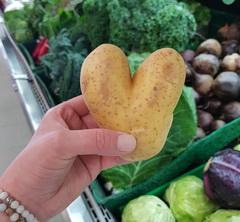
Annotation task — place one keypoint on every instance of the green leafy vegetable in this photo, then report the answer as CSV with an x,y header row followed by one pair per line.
x,y
43,17
17,23
181,134
188,201
202,13
224,216
148,209
138,25
63,63
135,60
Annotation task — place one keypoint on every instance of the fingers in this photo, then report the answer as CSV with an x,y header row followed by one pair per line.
x,y
108,162
72,115
89,122
103,142
78,105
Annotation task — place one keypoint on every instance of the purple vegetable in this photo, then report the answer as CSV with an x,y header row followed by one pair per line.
x,y
222,178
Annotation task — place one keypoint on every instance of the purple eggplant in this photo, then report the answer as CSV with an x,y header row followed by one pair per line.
x,y
222,178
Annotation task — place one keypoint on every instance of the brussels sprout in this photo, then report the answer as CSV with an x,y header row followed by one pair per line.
x,y
188,201
224,216
148,209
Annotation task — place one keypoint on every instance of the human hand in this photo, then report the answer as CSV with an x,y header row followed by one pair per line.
x,y
64,156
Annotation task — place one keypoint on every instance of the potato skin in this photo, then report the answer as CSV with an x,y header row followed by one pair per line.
x,y
142,106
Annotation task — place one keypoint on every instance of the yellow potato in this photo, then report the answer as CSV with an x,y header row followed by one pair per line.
x,y
142,106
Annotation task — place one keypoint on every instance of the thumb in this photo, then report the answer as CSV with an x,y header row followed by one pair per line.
x,y
97,142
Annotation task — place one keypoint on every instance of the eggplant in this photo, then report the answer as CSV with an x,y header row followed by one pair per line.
x,y
222,178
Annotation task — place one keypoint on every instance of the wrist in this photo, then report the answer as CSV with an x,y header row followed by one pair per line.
x,y
15,196
4,218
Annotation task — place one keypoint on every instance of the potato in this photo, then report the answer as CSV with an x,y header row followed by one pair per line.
x,y
142,106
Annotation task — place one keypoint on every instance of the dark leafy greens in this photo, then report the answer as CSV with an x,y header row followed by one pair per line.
x,y
17,23
63,63
181,134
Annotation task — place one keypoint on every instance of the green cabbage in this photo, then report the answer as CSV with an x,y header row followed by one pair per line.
x,y
188,201
224,216
148,209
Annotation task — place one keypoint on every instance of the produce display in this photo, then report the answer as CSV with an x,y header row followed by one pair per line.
x,y
213,72
191,199
124,92
143,110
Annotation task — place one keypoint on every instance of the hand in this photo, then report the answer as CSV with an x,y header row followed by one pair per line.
x,y
64,156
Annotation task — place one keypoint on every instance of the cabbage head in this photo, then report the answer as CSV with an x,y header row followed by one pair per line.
x,y
224,216
147,208
188,201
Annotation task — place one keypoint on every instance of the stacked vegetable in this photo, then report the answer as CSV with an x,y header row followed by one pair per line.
x,y
192,200
213,71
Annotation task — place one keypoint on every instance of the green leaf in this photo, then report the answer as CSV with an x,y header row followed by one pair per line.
x,y
228,2
181,134
135,60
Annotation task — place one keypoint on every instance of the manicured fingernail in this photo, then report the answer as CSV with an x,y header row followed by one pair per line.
x,y
126,143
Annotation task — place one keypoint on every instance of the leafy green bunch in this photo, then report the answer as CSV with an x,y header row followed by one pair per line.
x,y
67,52
138,25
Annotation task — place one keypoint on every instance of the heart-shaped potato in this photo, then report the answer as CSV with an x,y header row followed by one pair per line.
x,y
143,105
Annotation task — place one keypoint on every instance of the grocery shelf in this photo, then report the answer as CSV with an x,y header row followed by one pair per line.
x,y
84,208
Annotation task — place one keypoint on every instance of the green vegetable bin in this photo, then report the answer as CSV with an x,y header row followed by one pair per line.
x,y
195,155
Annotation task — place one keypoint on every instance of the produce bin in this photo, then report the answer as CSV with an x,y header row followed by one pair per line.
x,y
196,154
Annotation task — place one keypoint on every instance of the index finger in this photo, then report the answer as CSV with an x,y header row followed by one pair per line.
x,y
78,105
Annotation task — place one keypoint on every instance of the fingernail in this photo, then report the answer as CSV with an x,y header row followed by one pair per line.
x,y
126,143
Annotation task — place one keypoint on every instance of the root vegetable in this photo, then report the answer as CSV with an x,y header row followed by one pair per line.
x,y
227,86
196,96
143,105
231,111
204,120
231,62
229,47
229,32
188,55
217,124
200,133
203,83
206,64
213,106
189,75
210,46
